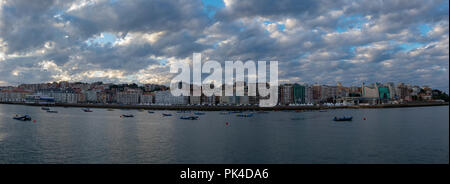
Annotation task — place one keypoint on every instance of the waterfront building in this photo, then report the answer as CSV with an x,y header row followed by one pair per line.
x,y
129,96
285,94
370,91
147,98
299,93
166,98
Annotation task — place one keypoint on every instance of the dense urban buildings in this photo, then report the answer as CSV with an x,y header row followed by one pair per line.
x,y
151,94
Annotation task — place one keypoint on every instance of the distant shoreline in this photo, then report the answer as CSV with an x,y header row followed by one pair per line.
x,y
220,108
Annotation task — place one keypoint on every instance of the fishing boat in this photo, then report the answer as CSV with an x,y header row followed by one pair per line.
x,y
45,108
87,110
189,117
165,114
151,112
127,115
22,118
343,118
244,115
52,111
199,113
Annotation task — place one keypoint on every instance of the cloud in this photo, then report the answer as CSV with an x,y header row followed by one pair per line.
x,y
314,41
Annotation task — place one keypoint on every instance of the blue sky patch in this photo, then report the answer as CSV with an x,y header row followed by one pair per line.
x,y
346,23
103,39
211,6
410,46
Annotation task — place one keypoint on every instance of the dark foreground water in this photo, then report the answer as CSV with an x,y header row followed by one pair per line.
x,y
401,135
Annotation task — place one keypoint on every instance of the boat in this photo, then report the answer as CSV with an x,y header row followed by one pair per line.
x,y
244,115
110,110
151,112
45,108
127,115
141,110
262,112
343,118
189,117
235,112
323,111
164,114
52,111
22,118
199,113
87,110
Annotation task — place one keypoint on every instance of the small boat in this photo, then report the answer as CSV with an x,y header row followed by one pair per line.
x,y
87,110
141,110
110,110
244,115
52,111
151,112
199,113
164,114
343,118
323,111
189,117
45,108
22,118
127,115
235,112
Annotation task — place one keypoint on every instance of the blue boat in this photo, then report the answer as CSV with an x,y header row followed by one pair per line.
x,y
189,117
343,118
22,118
199,113
164,114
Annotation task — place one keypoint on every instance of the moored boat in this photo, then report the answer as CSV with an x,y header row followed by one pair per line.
x,y
52,111
87,110
343,118
189,117
151,112
45,108
245,115
127,115
22,118
166,114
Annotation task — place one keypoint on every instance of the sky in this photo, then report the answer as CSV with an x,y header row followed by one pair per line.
x,y
315,41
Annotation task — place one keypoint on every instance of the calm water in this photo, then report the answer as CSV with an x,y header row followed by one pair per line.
x,y
402,135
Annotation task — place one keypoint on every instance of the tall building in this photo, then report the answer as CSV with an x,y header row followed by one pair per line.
x,y
286,96
299,93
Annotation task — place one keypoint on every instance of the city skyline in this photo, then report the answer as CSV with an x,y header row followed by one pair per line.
x,y
314,41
